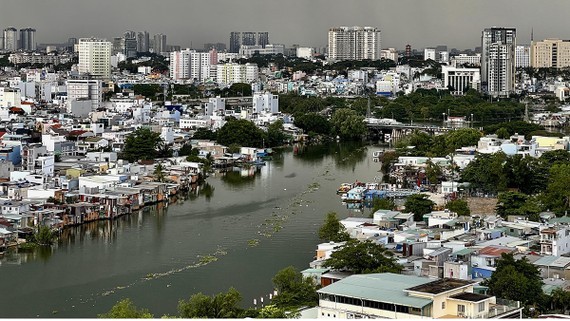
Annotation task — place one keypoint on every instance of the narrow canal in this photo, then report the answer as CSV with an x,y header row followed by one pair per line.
x,y
238,230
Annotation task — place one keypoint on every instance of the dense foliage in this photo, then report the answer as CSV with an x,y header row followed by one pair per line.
x,y
419,204
293,290
517,280
363,257
241,132
143,144
347,124
332,230
440,145
126,309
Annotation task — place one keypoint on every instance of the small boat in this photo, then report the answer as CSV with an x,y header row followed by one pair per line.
x,y
344,196
344,187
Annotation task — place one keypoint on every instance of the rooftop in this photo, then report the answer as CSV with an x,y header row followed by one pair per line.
x,y
440,286
468,296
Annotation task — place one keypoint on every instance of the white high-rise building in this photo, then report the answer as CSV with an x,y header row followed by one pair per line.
x,y
498,61
190,64
10,39
85,89
95,57
430,54
305,52
522,56
354,43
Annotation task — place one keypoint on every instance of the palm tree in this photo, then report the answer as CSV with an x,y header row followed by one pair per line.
x,y
159,173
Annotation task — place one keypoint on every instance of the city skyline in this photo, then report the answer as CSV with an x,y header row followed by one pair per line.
x,y
456,24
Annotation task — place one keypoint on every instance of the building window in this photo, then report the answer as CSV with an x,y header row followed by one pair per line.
x,y
460,309
481,307
443,305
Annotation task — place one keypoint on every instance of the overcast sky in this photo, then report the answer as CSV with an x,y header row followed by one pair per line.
x,y
421,23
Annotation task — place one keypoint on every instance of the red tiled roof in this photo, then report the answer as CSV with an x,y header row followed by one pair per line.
x,y
77,132
495,250
2,134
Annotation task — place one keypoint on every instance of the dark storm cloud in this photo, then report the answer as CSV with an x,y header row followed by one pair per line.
x,y
421,23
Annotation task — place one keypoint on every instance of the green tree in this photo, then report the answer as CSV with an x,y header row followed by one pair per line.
x,y
126,309
221,305
141,144
434,172
557,195
486,173
271,311
461,137
347,124
517,280
275,134
159,174
363,257
239,89
44,236
458,206
293,290
502,133
419,204
560,301
148,90
203,133
332,230
242,132
313,123
383,204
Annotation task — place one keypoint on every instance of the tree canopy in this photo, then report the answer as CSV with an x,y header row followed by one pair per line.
x,y
143,144
347,124
517,280
293,290
419,204
126,309
241,132
221,305
363,257
332,230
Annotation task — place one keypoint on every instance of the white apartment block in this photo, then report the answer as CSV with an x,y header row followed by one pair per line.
x,y
270,49
522,56
389,53
305,52
85,89
231,73
10,97
190,64
354,43
430,54
95,57
555,241
460,79
214,105
265,102
550,53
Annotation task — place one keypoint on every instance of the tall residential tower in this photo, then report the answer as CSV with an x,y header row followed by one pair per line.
x,y
354,43
498,47
95,57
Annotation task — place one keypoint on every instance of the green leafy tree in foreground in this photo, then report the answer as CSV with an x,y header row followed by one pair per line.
x,y
419,204
363,257
241,132
221,305
125,309
332,230
517,280
293,290
44,236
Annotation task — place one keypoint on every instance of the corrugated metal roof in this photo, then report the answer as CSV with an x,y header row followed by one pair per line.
x,y
464,251
380,287
555,261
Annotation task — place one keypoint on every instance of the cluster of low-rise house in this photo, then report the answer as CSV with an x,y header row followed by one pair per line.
x,y
443,250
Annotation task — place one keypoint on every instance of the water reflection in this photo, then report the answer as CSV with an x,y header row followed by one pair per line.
x,y
239,177
346,154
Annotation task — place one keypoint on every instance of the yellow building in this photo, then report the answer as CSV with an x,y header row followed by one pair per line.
x,y
550,53
397,296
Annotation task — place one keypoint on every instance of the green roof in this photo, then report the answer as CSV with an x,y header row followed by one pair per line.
x,y
560,220
464,251
379,287
548,288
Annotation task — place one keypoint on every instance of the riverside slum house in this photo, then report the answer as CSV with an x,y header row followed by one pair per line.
x,y
443,246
